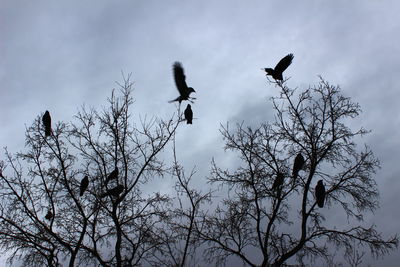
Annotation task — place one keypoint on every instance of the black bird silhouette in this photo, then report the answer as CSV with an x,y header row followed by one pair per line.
x,y
278,181
84,185
113,191
113,175
49,215
298,165
320,194
180,81
46,119
188,114
282,65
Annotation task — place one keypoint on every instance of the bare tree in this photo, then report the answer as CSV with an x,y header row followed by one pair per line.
x,y
270,216
266,225
45,221
180,228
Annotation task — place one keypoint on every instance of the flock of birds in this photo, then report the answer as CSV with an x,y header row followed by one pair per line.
x,y
184,94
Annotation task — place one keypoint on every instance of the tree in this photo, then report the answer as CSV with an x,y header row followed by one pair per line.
x,y
101,227
263,226
45,219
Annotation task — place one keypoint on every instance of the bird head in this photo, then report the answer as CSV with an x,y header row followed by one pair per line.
x,y
191,90
320,182
268,71
188,106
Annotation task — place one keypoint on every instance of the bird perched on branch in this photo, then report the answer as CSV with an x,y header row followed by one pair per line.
x,y
113,175
320,194
46,119
115,192
84,185
298,165
49,215
282,65
180,82
278,181
188,114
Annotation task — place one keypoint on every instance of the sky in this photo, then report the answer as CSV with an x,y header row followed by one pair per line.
x,y
59,55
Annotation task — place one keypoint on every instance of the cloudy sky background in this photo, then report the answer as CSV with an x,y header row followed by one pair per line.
x,y
59,55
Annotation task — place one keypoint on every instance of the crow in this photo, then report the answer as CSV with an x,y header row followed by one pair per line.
x,y
84,185
180,81
298,165
189,114
46,119
49,215
276,73
278,181
113,175
320,194
113,191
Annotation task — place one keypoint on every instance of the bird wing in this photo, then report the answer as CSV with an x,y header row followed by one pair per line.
x,y
188,111
180,79
284,63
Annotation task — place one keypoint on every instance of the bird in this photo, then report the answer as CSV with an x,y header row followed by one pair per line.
x,y
46,119
84,185
298,165
282,65
113,175
180,82
320,193
188,114
113,191
49,215
278,181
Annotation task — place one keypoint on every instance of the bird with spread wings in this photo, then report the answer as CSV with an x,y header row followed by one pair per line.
x,y
282,65
180,82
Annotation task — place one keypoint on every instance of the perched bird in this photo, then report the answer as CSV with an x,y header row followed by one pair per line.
x,y
84,185
298,165
46,119
113,191
320,194
276,73
49,215
188,114
180,81
278,181
113,175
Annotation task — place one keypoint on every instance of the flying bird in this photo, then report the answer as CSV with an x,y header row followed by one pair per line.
x,y
113,191
84,185
282,65
46,119
180,82
298,165
278,181
113,175
320,194
49,215
188,114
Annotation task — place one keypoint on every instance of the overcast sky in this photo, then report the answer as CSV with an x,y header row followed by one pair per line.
x,y
59,55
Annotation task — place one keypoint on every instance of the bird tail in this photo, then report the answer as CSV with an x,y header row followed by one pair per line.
x,y
176,99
